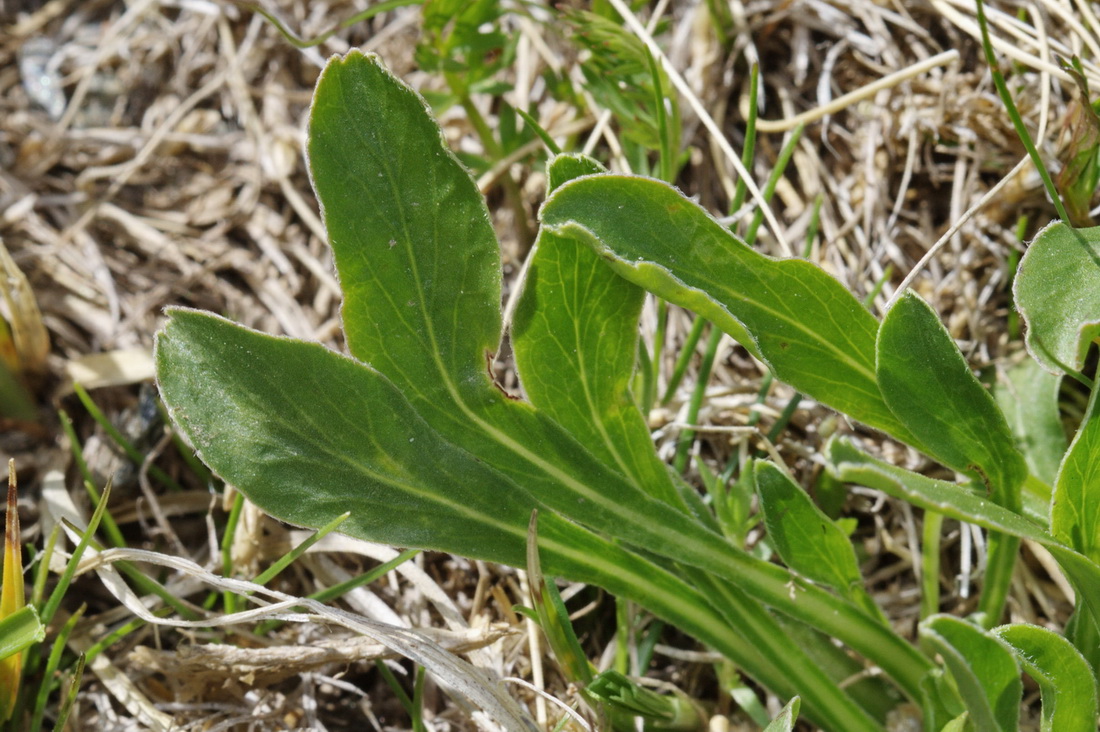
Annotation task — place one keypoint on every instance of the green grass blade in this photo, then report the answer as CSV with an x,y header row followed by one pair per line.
x,y
113,432
86,538
290,557
1014,114
110,528
20,630
683,359
69,699
50,673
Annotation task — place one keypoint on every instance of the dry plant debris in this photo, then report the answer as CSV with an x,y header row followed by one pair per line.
x,y
151,154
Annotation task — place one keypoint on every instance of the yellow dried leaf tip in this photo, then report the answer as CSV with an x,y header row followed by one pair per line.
x,y
12,598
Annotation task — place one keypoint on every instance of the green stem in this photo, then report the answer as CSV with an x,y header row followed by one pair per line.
x,y
683,447
1000,564
930,564
742,188
110,528
496,152
131,452
684,358
1017,120
230,598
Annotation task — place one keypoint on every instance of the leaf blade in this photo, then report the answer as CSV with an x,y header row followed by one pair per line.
x,y
984,670
1075,504
575,335
396,203
1056,291
805,538
249,403
1028,396
801,321
1064,676
927,383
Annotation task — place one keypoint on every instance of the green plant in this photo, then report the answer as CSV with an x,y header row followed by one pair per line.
x,y
412,436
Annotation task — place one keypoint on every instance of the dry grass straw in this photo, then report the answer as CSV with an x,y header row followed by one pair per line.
x,y
150,154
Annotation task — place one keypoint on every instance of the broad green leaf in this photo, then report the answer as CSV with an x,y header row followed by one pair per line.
x,y
786,719
418,261
985,672
1057,290
1028,397
1075,508
804,537
284,419
575,336
927,383
425,313
957,502
420,267
308,434
20,630
1064,676
814,334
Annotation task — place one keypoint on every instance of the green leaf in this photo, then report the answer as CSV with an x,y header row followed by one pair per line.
x,y
786,719
575,335
674,712
985,672
308,434
957,502
1064,676
424,313
1028,397
20,630
803,323
420,266
929,386
805,538
1075,508
278,418
413,244
374,153
1057,290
